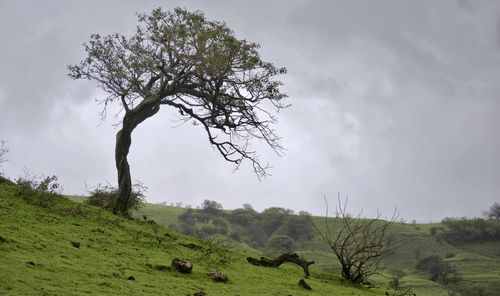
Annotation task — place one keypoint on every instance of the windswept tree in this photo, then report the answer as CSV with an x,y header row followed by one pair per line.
x,y
198,67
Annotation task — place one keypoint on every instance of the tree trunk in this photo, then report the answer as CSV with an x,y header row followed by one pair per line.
x,y
123,142
131,120
286,257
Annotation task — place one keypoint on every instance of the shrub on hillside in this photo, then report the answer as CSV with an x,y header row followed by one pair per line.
x,y
216,252
4,180
272,218
104,196
298,227
440,271
220,225
459,230
42,191
244,216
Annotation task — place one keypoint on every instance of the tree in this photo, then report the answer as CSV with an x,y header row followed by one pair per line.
x,y
211,208
494,211
244,216
359,244
195,66
272,218
440,271
298,227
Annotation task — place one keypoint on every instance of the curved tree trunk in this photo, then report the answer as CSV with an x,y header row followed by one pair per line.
x,y
123,142
131,120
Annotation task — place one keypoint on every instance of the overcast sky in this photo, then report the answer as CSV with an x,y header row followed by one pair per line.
x,y
394,103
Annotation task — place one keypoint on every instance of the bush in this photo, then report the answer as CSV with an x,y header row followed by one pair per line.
x,y
215,252
220,226
439,270
41,191
104,196
460,230
272,219
187,217
243,216
298,227
4,180
206,231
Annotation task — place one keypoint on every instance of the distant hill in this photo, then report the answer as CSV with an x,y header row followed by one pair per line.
x,y
477,263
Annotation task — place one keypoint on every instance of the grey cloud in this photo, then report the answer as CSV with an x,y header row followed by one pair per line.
x,y
395,103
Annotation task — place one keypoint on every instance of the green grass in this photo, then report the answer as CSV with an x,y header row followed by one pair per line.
x,y
37,257
478,264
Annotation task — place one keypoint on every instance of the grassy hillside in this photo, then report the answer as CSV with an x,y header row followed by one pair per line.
x,y
69,248
477,264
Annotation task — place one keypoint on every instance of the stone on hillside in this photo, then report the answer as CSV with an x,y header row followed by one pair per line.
x,y
182,266
218,276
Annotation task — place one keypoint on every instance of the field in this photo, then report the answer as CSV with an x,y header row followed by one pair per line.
x,y
65,247
477,264
69,248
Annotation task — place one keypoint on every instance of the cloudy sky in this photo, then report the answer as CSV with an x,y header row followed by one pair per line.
x,y
394,103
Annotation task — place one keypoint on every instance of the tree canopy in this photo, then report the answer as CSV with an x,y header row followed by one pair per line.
x,y
198,67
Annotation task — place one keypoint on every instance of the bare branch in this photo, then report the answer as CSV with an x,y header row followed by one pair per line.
x,y
358,243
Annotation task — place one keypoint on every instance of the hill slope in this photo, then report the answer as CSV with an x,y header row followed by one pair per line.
x,y
69,248
477,264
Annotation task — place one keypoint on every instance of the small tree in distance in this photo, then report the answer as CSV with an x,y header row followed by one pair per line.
x,y
359,244
494,211
195,66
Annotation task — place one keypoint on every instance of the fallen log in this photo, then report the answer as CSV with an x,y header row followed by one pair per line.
x,y
286,257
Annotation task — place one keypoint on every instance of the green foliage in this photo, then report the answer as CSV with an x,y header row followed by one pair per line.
x,y
439,270
256,237
104,196
458,230
278,244
198,68
490,288
272,218
41,191
298,227
216,252
220,225
244,216
187,217
211,208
